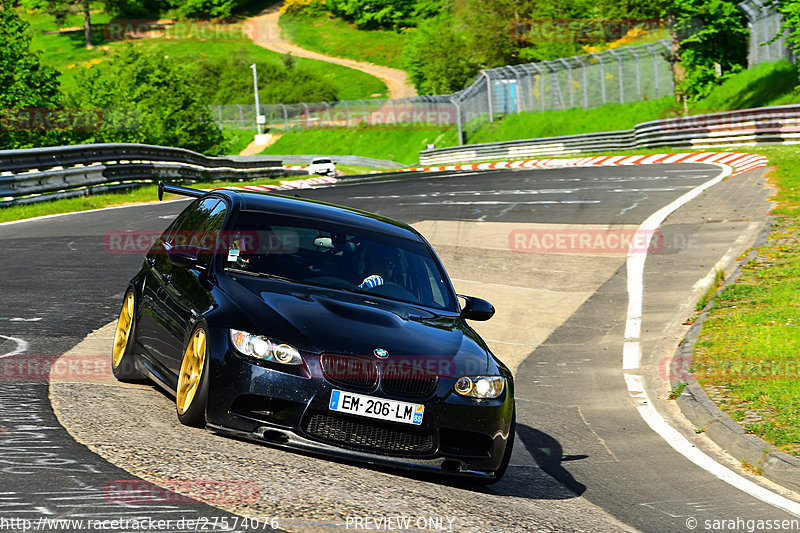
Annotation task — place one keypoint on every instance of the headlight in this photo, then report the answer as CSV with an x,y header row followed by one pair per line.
x,y
480,387
263,348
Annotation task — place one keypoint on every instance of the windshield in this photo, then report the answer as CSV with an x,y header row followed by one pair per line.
x,y
340,257
321,161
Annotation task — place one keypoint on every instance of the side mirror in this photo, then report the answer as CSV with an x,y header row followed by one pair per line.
x,y
186,256
476,308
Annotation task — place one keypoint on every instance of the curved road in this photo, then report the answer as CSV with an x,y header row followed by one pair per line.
x,y
266,32
560,325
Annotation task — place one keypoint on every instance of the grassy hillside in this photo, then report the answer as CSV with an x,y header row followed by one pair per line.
x,y
394,143
335,37
66,53
571,121
767,84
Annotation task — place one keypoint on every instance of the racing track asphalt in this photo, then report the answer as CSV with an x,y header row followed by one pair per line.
x,y
575,417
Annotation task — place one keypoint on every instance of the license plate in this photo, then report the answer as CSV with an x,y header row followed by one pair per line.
x,y
380,408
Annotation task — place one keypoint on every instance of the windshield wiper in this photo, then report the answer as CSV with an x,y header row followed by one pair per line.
x,y
260,274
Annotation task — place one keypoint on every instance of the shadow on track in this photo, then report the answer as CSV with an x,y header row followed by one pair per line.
x,y
548,454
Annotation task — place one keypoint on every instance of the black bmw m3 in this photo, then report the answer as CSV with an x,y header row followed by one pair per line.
x,y
306,325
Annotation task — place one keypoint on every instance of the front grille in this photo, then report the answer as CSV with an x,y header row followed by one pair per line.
x,y
413,382
349,371
368,436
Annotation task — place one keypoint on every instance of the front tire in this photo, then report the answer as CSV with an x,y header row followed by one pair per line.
x,y
123,362
192,393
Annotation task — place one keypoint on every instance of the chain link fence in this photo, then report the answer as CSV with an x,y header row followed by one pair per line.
x,y
765,24
621,75
418,110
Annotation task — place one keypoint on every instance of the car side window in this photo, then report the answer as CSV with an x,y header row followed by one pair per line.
x,y
176,224
206,235
193,222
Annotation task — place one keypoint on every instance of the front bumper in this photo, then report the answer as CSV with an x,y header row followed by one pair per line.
x,y
288,407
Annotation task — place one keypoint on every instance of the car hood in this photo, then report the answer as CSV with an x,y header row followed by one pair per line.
x,y
323,320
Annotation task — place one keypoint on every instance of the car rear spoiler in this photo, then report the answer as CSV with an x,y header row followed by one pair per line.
x,y
176,189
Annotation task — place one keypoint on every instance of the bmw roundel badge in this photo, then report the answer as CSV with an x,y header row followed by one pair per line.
x,y
381,353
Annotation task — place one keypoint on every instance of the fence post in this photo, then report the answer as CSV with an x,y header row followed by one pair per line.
x,y
517,98
778,45
585,89
654,54
541,84
558,97
669,78
569,78
364,107
305,108
285,118
346,114
602,75
489,94
529,79
619,73
638,73
328,113
241,116
458,121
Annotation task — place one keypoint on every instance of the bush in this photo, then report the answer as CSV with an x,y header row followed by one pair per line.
x,y
25,85
434,57
205,9
145,97
714,38
230,81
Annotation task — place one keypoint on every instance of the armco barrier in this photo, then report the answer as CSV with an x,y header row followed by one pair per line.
x,y
44,170
746,127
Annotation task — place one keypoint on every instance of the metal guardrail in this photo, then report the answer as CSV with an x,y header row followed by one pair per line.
x,y
745,127
568,144
44,170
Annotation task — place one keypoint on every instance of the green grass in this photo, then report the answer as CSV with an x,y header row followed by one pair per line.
x,y
750,339
67,54
609,117
355,169
393,143
335,37
719,280
765,85
238,139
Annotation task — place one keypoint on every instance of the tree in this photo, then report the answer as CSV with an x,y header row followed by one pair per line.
x,y
374,13
146,97
229,81
205,9
434,57
60,9
709,44
790,9
27,88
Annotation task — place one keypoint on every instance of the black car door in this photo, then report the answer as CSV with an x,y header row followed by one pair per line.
x,y
171,290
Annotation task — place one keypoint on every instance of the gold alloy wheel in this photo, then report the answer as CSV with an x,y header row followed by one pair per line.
x,y
123,330
191,370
